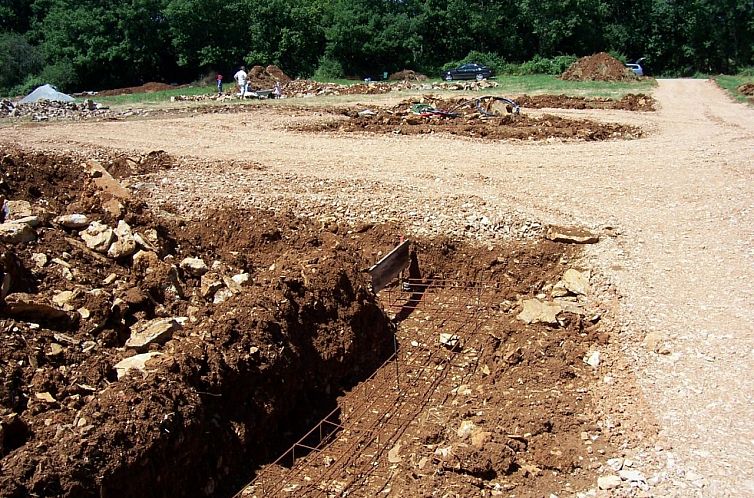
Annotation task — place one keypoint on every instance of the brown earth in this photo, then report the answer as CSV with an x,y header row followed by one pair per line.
x,y
145,88
407,75
747,88
598,67
240,374
267,77
629,102
673,266
463,117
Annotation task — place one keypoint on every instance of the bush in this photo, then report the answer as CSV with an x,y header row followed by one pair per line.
x,y
62,75
542,65
328,69
18,59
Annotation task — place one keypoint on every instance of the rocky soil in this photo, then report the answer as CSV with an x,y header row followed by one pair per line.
x,y
672,269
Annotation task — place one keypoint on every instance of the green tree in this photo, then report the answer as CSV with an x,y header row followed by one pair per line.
x,y
18,59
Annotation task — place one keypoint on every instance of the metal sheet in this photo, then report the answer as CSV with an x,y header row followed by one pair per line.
x,y
386,269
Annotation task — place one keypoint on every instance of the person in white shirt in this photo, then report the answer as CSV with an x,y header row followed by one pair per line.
x,y
241,79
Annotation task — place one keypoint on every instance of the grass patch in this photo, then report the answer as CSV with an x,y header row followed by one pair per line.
x,y
509,86
731,83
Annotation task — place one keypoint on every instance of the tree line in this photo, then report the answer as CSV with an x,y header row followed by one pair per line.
x,y
97,44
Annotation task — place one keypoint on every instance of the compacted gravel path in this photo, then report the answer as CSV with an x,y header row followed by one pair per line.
x,y
681,201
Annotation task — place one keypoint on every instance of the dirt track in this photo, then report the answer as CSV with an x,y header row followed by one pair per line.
x,y
681,198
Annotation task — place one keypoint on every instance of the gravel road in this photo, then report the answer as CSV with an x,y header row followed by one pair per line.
x,y
682,200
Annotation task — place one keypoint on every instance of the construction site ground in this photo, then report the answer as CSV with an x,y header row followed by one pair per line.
x,y
515,409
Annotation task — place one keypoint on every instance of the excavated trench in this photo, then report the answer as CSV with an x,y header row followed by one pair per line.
x,y
265,326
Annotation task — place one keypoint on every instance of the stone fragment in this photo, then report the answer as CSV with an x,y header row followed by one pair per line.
x,y
98,237
609,482
137,362
449,340
39,259
222,295
73,221
63,299
114,207
17,210
536,311
16,233
156,331
615,463
105,181
465,429
32,221
571,235
632,476
55,349
480,438
23,306
559,290
241,279
394,455
211,282
194,266
592,359
143,242
576,282
145,261
45,396
125,244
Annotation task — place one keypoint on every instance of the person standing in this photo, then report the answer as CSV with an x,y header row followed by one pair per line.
x,y
240,78
219,84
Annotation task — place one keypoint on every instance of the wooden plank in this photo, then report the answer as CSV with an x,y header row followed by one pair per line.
x,y
386,269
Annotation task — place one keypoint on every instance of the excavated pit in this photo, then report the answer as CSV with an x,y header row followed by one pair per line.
x,y
275,328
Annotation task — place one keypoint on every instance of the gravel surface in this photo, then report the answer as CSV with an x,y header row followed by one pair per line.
x,y
681,270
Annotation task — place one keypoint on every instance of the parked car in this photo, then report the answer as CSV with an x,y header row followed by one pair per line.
x,y
470,71
636,67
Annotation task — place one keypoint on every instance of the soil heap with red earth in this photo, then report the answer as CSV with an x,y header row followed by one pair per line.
x,y
598,67
747,89
407,75
152,355
267,77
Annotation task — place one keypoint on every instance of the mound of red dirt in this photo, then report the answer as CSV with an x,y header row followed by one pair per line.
x,y
267,76
598,67
145,88
407,75
747,89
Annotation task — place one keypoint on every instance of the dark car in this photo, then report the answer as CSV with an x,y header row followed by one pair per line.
x,y
470,71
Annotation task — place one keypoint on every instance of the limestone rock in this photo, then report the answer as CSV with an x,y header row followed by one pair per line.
x,y
156,331
571,235
137,362
592,359
449,340
98,236
194,266
222,295
18,209
241,279
63,299
466,428
609,482
16,233
32,221
125,244
480,438
145,261
576,282
39,259
559,290
210,283
536,311
73,221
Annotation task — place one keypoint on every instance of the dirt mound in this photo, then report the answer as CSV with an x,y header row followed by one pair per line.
x,y
747,89
263,337
464,117
145,88
267,77
598,67
629,102
407,75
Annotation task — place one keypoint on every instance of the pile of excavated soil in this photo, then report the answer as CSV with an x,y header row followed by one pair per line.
x,y
267,77
407,75
629,102
235,336
598,67
154,355
463,117
747,89
145,88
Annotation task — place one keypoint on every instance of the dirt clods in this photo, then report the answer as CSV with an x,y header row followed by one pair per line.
x,y
598,67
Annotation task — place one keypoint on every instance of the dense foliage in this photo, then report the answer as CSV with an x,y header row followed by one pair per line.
x,y
93,44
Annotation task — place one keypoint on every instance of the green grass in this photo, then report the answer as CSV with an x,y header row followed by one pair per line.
x,y
158,97
508,85
731,84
